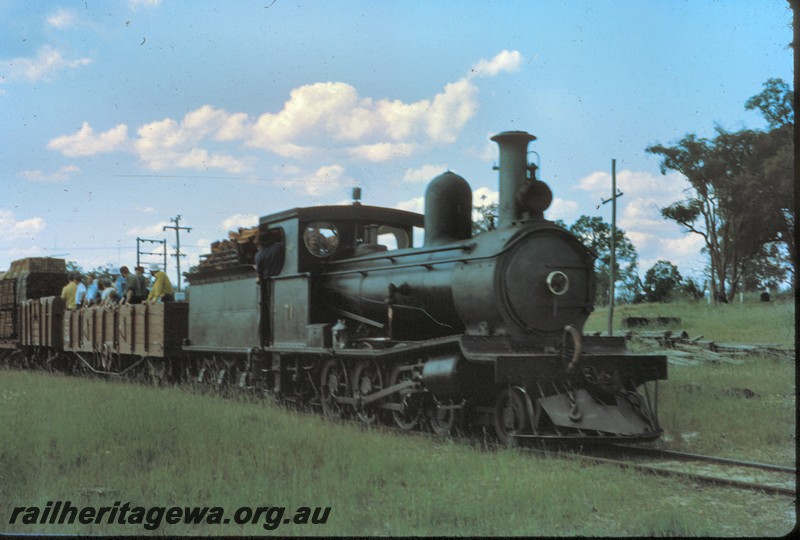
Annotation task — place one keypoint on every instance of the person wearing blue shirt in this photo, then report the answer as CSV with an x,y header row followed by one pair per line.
x,y
92,296
119,283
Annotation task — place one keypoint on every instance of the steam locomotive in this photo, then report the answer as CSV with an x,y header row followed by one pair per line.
x,y
481,330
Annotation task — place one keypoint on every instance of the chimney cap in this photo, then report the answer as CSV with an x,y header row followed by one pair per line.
x,y
506,135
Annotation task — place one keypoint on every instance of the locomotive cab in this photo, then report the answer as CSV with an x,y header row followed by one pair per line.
x,y
315,238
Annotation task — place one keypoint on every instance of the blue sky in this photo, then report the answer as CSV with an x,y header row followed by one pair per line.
x,y
118,116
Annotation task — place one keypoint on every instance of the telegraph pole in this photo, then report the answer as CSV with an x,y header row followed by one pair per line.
x,y
178,254
613,201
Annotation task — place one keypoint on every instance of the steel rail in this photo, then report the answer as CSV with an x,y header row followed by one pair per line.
x,y
756,486
711,459
688,475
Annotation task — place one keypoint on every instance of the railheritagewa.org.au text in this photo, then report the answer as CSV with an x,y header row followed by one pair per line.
x,y
56,513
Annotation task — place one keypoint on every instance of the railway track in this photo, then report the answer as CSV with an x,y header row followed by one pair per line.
x,y
763,477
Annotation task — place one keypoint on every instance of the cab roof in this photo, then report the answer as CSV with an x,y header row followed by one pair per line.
x,y
352,212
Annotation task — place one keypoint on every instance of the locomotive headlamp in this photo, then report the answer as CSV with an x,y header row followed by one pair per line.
x,y
558,283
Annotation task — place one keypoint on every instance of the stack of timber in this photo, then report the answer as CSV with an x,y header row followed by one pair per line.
x,y
8,312
27,279
636,322
240,248
684,347
35,278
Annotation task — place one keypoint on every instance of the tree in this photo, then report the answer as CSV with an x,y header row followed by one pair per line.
x,y
660,281
737,199
775,105
484,217
73,268
596,235
767,270
693,290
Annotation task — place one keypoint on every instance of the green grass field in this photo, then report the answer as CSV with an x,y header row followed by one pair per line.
x,y
748,322
96,442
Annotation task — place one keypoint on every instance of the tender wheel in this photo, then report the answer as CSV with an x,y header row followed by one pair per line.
x,y
407,418
510,416
333,384
159,370
367,379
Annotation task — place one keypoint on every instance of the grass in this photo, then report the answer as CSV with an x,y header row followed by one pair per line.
x,y
707,409
748,322
62,438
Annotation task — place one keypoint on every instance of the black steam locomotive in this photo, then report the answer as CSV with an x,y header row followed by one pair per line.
x,y
481,330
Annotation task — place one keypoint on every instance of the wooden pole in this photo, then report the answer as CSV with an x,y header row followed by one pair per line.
x,y
613,246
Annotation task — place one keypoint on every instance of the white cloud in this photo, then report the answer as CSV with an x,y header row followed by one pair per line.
x,y
167,144
145,210
23,252
238,220
47,61
563,209
61,18
424,173
12,230
683,251
334,113
489,151
200,159
505,61
61,175
324,116
327,178
149,230
667,188
451,110
85,143
382,151
483,196
134,5
417,204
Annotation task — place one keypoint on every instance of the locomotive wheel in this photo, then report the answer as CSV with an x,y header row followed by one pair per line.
x,y
408,418
443,420
510,416
333,384
367,378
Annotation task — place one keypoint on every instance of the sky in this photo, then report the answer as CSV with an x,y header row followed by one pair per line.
x,y
117,117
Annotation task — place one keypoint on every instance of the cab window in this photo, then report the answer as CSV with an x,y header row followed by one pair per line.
x,y
392,237
321,238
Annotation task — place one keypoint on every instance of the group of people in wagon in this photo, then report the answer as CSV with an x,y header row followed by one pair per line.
x,y
124,287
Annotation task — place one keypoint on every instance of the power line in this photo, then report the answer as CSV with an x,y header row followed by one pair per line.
x,y
288,181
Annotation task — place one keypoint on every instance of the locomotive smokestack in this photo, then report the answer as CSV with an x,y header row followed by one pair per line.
x,y
519,196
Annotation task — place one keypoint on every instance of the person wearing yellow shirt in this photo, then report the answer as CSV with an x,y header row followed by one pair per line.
x,y
162,288
69,290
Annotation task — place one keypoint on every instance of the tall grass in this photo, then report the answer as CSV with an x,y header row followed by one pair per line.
x,y
96,442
